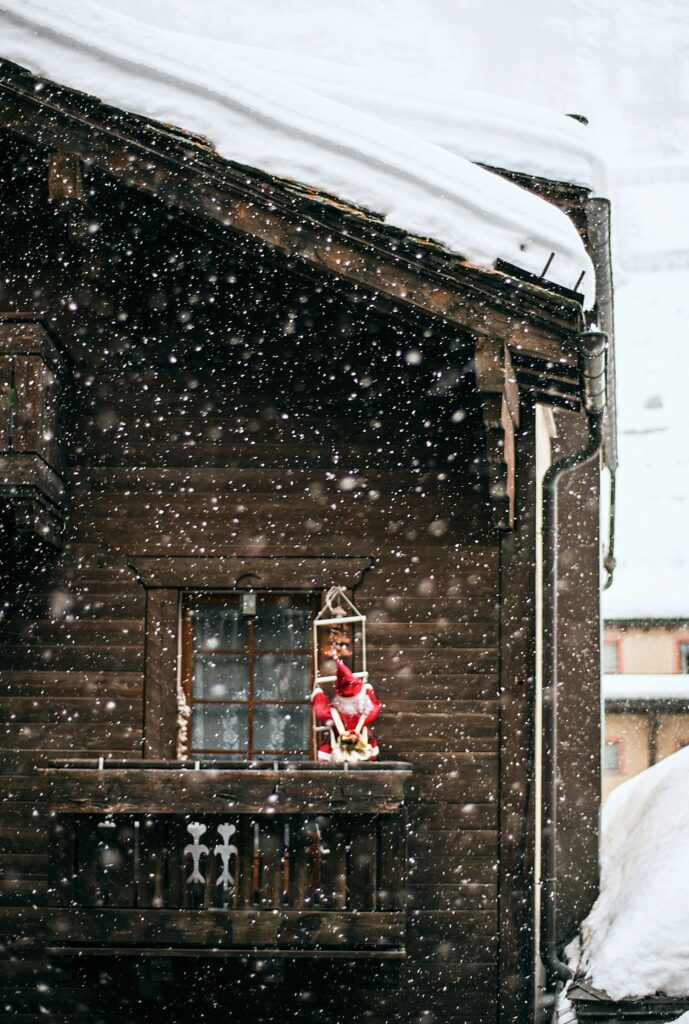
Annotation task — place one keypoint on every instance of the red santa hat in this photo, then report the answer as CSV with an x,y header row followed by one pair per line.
x,y
346,683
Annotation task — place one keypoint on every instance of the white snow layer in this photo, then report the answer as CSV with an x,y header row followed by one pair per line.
x,y
635,941
628,686
367,153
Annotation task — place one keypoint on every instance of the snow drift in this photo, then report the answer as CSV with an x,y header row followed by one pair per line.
x,y
635,941
267,119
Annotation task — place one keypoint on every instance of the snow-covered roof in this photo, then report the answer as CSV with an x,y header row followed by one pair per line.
x,y
634,941
626,686
404,160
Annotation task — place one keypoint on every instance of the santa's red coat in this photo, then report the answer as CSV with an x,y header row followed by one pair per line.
x,y
353,699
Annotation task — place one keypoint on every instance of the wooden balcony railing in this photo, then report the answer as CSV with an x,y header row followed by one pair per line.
x,y
200,858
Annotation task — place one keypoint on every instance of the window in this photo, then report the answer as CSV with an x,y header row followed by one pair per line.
x,y
613,763
610,656
683,649
247,677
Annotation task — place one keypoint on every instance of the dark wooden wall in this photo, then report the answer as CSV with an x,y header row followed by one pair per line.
x,y
218,403
579,696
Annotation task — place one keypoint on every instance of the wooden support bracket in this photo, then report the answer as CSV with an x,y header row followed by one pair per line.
x,y
497,386
65,179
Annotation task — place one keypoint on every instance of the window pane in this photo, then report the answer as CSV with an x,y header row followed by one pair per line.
x,y
609,657
281,726
282,677
220,677
219,625
216,727
282,627
612,759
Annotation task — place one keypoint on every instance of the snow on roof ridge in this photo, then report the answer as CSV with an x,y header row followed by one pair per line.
x,y
266,121
656,686
474,124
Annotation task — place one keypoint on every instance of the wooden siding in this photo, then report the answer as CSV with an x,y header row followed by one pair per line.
x,y
232,437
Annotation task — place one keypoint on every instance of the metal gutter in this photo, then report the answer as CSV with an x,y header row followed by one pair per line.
x,y
592,365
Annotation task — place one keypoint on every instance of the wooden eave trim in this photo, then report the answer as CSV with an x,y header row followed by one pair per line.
x,y
635,706
259,572
646,623
484,302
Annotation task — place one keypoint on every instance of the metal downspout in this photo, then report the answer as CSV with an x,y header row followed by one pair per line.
x,y
599,239
592,363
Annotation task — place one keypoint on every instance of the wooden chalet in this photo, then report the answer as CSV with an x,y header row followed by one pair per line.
x,y
216,383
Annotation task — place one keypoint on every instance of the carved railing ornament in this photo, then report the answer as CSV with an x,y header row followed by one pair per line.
x,y
196,849
226,851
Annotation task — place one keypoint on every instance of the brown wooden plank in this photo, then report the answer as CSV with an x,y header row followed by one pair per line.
x,y
66,736
248,929
136,791
58,710
103,685
222,571
160,687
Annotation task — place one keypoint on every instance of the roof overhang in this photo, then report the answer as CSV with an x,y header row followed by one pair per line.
x,y
308,227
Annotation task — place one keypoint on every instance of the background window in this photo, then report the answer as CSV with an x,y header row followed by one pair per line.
x,y
684,657
612,757
610,656
248,677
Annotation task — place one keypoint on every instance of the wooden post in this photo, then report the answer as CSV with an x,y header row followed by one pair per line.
x,y
653,730
160,686
579,699
517,685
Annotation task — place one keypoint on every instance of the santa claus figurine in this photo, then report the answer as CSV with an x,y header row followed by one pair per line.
x,y
349,715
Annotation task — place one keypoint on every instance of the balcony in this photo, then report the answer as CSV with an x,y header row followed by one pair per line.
x,y
224,859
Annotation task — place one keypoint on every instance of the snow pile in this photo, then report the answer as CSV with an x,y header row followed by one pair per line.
x,y
269,120
635,941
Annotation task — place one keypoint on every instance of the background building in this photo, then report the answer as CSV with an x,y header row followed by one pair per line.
x,y
646,694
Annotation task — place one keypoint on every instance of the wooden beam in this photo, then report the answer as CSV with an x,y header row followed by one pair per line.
x,y
251,930
219,791
227,571
497,386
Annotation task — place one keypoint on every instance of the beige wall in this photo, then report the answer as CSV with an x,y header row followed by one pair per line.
x,y
646,649
633,731
652,650
673,733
